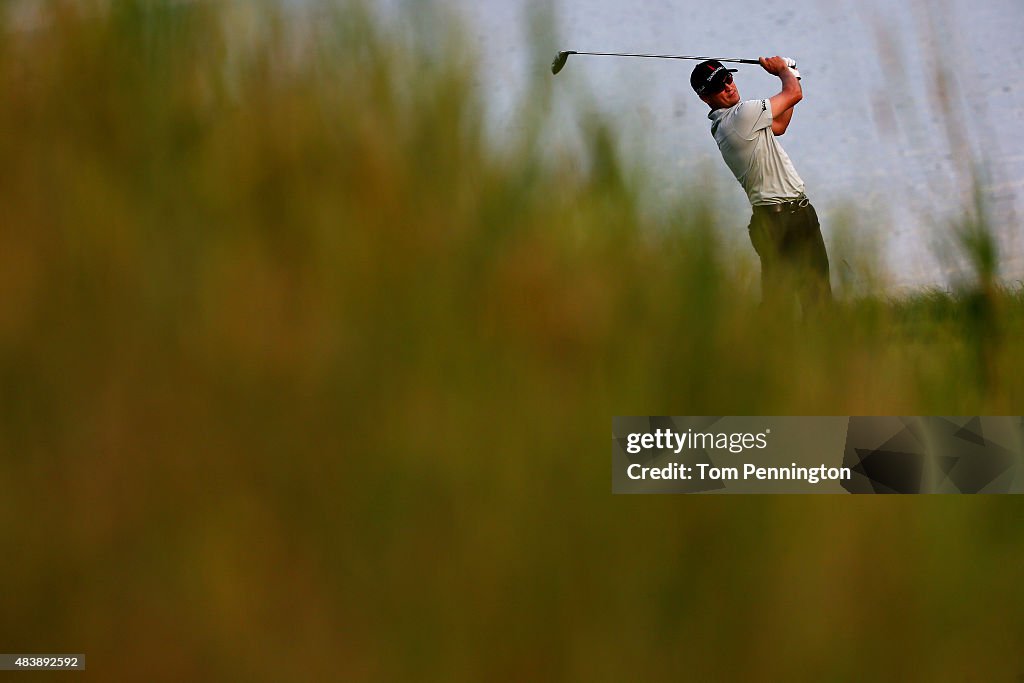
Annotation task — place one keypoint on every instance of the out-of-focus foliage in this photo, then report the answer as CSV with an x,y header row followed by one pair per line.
x,y
301,379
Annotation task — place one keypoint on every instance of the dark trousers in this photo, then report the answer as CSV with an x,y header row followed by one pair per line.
x,y
792,255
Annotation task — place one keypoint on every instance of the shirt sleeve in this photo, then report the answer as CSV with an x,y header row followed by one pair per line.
x,y
753,115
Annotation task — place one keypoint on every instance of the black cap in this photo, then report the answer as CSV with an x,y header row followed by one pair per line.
x,y
708,76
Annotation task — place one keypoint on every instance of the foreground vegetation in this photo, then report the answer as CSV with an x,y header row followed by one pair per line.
x,y
303,379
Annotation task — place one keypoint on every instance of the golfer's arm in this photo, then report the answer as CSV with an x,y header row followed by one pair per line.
x,y
783,103
781,122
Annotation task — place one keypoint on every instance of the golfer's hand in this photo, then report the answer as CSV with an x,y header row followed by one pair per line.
x,y
774,65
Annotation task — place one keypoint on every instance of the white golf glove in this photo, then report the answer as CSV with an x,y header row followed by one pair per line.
x,y
791,63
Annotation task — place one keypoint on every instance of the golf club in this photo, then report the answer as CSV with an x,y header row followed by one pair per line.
x,y
562,57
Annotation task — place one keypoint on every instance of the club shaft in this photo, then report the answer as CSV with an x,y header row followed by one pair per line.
x,y
629,54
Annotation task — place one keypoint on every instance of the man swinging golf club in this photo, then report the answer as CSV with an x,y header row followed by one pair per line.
x,y
784,227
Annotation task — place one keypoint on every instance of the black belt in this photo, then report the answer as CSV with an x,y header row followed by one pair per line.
x,y
790,206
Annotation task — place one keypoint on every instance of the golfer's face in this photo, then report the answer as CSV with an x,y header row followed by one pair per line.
x,y
731,94
727,97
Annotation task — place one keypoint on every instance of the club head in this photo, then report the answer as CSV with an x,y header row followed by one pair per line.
x,y
560,59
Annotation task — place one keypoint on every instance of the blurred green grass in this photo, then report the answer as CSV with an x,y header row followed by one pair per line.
x,y
303,379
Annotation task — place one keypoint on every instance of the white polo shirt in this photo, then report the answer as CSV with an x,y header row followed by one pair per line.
x,y
744,135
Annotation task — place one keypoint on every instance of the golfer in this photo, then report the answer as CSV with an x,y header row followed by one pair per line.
x,y
784,226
